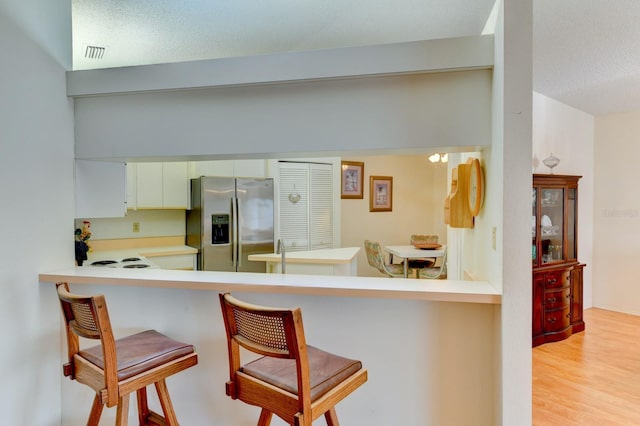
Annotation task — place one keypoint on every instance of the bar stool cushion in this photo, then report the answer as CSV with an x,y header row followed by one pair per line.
x,y
140,352
325,371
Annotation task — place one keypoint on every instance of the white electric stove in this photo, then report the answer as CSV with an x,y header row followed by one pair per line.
x,y
134,262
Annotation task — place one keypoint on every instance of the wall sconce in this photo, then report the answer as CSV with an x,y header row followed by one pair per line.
x,y
439,158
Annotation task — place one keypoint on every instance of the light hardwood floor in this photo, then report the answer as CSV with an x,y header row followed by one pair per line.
x,y
591,378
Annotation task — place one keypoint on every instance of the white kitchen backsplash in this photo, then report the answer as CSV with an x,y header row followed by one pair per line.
x,y
151,223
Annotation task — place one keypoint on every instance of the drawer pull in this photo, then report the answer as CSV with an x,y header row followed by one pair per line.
x,y
551,300
552,319
552,281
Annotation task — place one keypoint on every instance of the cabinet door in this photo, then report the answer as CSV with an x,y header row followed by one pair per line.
x,y
228,168
175,187
161,185
552,213
148,185
132,186
538,306
211,168
572,223
576,294
249,168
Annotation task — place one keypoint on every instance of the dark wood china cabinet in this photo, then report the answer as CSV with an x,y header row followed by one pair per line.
x,y
557,273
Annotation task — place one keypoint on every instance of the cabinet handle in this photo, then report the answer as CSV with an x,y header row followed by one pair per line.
x,y
552,281
552,319
551,300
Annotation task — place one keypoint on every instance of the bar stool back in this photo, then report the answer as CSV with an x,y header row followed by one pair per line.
x,y
115,368
296,382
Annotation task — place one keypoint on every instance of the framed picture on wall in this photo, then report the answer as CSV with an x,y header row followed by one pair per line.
x,y
380,193
352,179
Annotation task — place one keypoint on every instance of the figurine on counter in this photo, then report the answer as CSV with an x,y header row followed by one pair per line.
x,y
81,245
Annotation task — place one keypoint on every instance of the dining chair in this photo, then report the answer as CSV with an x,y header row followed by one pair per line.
x,y
116,368
291,379
376,258
437,272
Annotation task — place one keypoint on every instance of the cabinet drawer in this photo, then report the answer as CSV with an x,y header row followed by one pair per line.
x,y
556,279
556,320
557,299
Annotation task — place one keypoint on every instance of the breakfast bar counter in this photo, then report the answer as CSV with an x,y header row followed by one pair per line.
x,y
343,286
441,332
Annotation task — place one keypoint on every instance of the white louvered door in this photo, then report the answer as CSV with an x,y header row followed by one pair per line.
x,y
294,200
306,207
321,206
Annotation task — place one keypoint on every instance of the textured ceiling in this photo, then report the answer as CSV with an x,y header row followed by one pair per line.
x,y
586,52
156,31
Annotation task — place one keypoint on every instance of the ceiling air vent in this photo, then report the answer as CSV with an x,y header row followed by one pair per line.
x,y
94,52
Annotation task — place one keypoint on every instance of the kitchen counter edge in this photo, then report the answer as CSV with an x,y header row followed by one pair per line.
x,y
321,285
321,256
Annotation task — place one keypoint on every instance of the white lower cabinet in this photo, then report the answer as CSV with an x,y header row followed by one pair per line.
x,y
178,261
157,185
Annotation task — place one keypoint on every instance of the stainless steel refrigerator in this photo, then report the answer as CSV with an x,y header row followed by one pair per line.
x,y
229,219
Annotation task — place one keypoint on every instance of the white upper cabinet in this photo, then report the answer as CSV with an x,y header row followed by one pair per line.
x,y
158,185
175,185
228,168
100,189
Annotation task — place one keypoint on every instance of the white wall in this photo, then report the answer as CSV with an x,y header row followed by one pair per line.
x,y
508,184
616,213
323,118
36,171
568,133
153,223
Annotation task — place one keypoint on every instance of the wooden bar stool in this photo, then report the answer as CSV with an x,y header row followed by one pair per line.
x,y
296,382
115,368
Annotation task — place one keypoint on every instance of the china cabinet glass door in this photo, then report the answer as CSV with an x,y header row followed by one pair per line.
x,y
551,224
572,230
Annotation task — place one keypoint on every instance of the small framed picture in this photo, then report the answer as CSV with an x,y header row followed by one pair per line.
x,y
380,193
352,179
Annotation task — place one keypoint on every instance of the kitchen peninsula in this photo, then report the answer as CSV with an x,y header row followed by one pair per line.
x,y
338,261
391,324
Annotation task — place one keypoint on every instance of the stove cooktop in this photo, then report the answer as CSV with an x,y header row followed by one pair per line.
x,y
128,262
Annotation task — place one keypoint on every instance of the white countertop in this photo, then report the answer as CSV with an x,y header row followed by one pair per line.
x,y
324,256
343,286
149,252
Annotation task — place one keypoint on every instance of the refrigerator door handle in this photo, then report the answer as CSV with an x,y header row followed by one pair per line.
x,y
239,239
234,233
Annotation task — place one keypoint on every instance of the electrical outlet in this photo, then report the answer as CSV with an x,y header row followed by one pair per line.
x,y
136,226
493,237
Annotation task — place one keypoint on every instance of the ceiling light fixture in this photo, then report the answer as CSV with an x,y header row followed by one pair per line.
x,y
439,158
